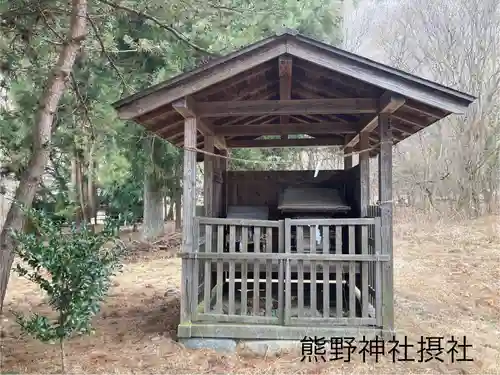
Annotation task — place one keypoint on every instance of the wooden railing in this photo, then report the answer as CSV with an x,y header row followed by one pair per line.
x,y
233,251
346,259
286,272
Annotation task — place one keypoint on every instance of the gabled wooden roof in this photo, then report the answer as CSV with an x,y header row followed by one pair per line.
x,y
315,71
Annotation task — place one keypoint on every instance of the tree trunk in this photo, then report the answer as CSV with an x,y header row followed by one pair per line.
x,y
81,191
73,191
170,212
31,178
91,207
152,225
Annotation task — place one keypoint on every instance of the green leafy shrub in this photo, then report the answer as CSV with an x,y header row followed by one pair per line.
x,y
73,266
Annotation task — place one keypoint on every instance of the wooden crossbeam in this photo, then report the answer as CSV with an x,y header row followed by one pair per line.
x,y
286,107
388,104
271,143
187,107
286,129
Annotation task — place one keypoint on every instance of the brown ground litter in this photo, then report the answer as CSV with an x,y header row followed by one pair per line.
x,y
447,281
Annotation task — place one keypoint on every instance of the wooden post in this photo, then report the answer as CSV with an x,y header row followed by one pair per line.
x,y
188,214
385,197
223,171
216,193
208,179
348,157
364,173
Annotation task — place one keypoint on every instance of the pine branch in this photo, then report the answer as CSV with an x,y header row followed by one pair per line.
x,y
106,54
162,25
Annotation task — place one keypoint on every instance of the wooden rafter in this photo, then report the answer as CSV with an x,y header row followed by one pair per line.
x,y
389,103
287,107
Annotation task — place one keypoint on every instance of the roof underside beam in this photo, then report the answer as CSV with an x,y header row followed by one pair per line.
x,y
187,108
286,107
276,143
388,104
237,130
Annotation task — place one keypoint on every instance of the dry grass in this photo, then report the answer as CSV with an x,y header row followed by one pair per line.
x,y
447,280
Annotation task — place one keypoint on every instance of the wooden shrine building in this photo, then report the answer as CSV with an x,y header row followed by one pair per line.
x,y
287,254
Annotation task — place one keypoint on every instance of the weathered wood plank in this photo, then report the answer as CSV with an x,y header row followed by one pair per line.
x,y
287,107
339,271
239,222
300,270
244,271
378,277
352,273
385,197
208,269
189,213
318,322
196,284
388,104
364,273
297,142
269,270
232,249
326,272
292,256
220,271
232,65
364,174
287,128
333,222
256,271
288,271
208,176
312,247
281,273
223,318
272,332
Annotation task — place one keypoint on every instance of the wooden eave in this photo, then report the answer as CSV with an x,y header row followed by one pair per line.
x,y
318,71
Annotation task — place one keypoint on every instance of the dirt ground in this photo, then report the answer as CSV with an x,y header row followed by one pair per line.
x,y
447,282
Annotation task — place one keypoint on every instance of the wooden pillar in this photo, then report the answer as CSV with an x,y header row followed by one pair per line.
x,y
188,214
216,193
223,172
364,173
385,198
208,178
348,157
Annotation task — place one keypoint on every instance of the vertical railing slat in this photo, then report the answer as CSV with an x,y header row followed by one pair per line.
x,y
220,268
326,272
256,272
312,265
364,273
352,273
378,275
208,271
232,271
244,271
281,275
288,274
269,273
300,271
338,272
196,270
